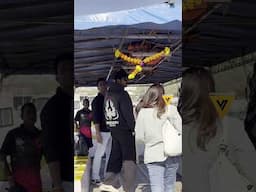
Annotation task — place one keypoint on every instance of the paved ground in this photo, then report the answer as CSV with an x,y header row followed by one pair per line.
x,y
143,188
80,167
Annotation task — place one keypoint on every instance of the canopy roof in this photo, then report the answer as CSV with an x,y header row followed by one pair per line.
x,y
159,13
94,50
97,37
83,7
33,32
227,31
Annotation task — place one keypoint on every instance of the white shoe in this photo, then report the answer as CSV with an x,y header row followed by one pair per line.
x,y
109,188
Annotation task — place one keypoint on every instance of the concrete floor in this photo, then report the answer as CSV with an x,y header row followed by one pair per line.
x,y
142,181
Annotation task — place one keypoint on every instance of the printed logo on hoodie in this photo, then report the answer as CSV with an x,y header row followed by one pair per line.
x,y
111,113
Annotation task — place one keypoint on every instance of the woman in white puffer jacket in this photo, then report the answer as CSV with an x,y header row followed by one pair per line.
x,y
152,115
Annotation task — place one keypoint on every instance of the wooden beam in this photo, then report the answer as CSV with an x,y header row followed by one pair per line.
x,y
13,47
31,12
91,73
86,70
58,20
98,44
94,59
205,16
32,33
98,48
31,56
85,53
134,37
95,63
95,55
24,3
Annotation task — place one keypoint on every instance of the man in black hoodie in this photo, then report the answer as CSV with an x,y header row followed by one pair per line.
x,y
120,120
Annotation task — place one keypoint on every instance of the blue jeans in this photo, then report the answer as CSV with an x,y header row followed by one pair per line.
x,y
162,175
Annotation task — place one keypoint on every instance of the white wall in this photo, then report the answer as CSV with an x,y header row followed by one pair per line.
x,y
36,86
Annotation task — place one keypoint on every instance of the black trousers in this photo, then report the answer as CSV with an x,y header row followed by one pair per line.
x,y
87,140
123,149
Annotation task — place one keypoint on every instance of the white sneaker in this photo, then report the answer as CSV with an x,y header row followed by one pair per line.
x,y
108,188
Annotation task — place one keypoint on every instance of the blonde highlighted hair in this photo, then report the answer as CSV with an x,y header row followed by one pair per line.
x,y
153,98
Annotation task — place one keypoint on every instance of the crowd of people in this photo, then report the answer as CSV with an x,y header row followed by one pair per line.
x,y
204,133
118,129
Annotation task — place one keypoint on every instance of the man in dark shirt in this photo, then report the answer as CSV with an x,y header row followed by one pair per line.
x,y
103,136
23,145
57,128
120,120
84,119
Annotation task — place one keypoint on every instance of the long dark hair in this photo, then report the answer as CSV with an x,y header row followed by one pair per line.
x,y
153,98
195,104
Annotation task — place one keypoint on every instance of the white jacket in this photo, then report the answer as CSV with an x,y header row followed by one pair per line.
x,y
148,130
204,171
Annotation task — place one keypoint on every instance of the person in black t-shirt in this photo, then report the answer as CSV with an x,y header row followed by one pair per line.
x,y
24,147
57,121
103,136
84,119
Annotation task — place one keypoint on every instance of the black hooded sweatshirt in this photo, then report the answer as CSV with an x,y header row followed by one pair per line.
x,y
118,109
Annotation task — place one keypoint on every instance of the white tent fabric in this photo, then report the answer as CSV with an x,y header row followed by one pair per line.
x,y
85,7
159,13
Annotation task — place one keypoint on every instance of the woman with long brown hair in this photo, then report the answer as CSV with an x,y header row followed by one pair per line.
x,y
152,114
205,135
199,117
195,104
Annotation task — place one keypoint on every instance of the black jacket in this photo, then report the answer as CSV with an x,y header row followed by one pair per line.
x,y
118,109
57,132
